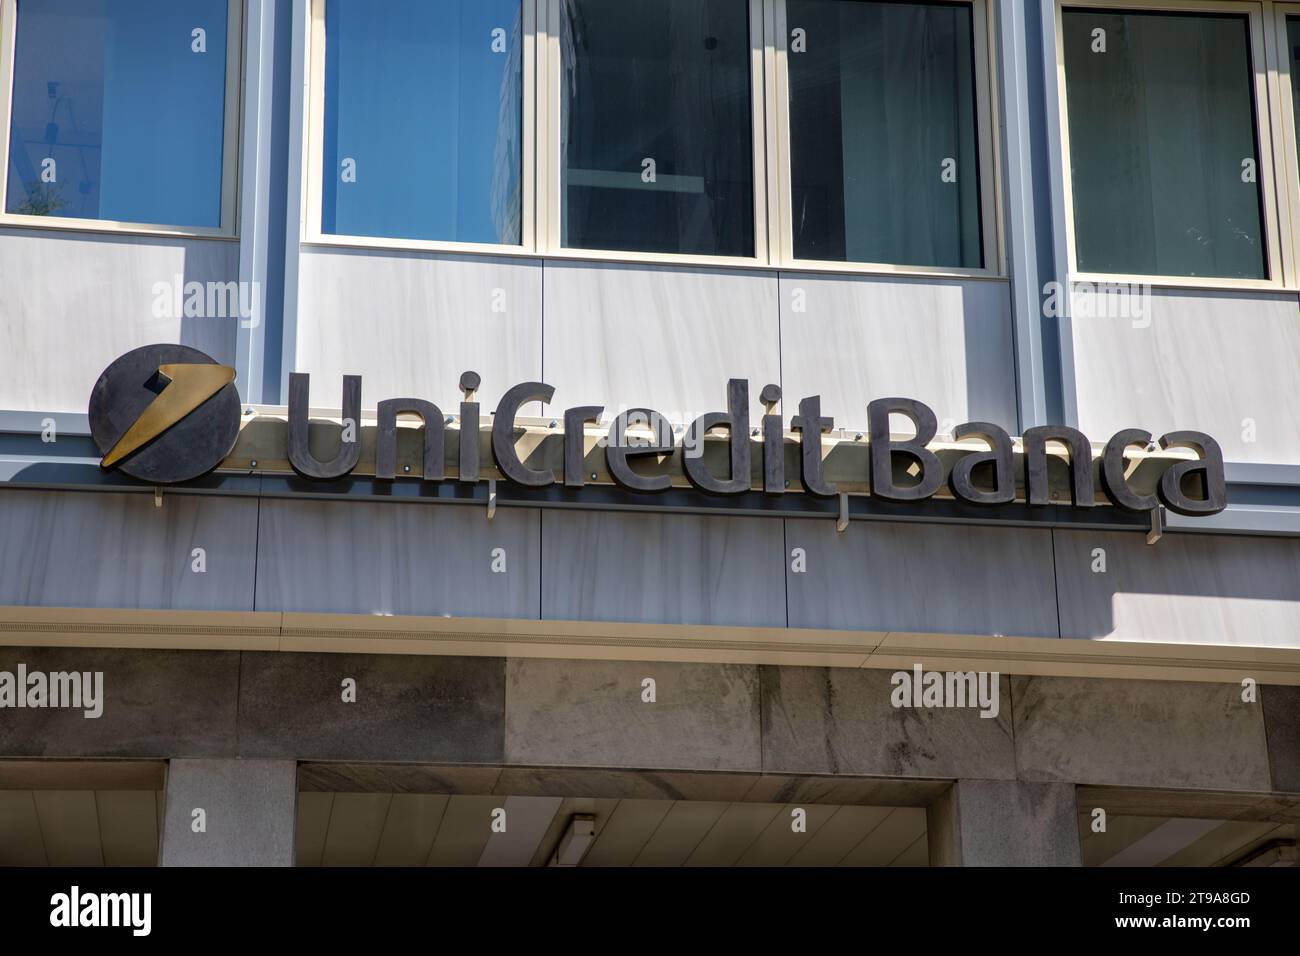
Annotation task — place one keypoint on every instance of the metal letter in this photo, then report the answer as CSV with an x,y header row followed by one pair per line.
x,y
575,448
617,453
386,441
1081,490
469,425
503,434
1113,480
736,421
1000,456
810,425
773,443
1210,466
300,456
883,448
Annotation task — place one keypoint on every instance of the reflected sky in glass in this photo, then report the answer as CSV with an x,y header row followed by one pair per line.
x,y
130,115
423,107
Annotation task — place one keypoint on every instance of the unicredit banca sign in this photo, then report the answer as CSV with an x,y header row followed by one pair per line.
x,y
166,413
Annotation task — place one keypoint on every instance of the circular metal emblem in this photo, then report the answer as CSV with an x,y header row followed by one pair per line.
x,y
165,413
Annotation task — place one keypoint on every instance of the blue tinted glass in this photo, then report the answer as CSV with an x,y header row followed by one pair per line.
x,y
118,110
423,119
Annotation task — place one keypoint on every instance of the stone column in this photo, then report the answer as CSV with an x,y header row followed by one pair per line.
x,y
1004,823
230,813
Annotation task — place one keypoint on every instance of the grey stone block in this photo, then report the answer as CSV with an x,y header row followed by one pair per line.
x,y
1004,823
588,714
249,809
1138,733
841,721
1282,726
157,703
421,708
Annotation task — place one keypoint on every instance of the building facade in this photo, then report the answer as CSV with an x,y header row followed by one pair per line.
x,y
709,588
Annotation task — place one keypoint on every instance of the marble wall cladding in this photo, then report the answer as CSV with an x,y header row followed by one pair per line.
x,y
417,709
1186,589
249,813
852,339
660,337
410,323
1223,363
155,703
888,576
76,549
663,569
581,713
842,721
1138,733
72,303
382,558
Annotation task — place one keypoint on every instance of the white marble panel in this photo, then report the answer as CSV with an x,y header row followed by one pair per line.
x,y
70,303
388,558
852,339
909,576
1185,589
410,323
663,569
1221,363
660,337
80,549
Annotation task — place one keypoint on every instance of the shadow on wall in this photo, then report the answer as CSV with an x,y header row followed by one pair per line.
x,y
1185,589
73,302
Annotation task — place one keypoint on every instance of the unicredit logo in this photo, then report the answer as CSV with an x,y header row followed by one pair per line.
x,y
165,413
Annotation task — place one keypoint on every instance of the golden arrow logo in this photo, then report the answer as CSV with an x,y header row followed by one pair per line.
x,y
188,387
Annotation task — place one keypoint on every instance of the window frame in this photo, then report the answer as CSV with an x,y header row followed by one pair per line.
x,y
551,161
1263,66
1285,147
992,241
313,152
541,167
230,152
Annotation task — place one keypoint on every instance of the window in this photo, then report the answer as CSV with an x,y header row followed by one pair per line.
x,y
656,126
884,155
657,130
1164,156
1292,40
123,112
423,120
